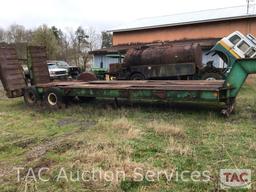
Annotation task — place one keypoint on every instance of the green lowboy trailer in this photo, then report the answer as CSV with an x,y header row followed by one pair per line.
x,y
55,94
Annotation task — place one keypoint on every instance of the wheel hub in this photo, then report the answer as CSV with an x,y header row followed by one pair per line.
x,y
211,79
52,99
31,97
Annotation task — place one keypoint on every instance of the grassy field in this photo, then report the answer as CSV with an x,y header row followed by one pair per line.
x,y
96,137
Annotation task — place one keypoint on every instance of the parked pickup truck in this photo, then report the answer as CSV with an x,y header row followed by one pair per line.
x,y
73,71
56,72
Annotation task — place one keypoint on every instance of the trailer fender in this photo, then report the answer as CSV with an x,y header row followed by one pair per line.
x,y
137,76
212,76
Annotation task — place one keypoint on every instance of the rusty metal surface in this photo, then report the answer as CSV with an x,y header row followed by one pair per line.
x,y
206,43
39,64
165,54
11,72
115,67
141,85
87,76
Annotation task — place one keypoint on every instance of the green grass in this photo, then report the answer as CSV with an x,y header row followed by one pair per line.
x,y
149,136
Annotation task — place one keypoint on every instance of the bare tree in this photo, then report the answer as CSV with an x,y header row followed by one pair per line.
x,y
106,39
72,46
94,39
65,44
2,35
17,34
45,37
78,46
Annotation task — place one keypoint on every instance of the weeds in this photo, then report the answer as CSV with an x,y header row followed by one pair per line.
x,y
166,129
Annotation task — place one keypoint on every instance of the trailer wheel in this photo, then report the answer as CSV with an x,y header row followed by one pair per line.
x,y
54,99
137,76
31,96
212,76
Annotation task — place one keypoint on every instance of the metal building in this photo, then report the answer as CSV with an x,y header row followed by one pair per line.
x,y
193,26
214,23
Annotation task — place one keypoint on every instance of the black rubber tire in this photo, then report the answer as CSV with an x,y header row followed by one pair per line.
x,y
212,76
31,96
86,99
137,76
54,99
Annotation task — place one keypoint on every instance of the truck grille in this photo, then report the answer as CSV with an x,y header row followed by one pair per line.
x,y
60,73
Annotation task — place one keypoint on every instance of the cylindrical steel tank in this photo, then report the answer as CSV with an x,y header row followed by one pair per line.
x,y
165,54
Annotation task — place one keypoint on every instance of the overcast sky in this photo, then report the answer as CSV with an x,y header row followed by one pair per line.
x,y
100,14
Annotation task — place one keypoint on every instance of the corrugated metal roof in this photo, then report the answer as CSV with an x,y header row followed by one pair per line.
x,y
188,18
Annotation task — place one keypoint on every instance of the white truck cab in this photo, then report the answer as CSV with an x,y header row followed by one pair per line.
x,y
239,45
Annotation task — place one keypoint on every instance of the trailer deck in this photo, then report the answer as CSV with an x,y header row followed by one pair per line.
x,y
176,85
135,90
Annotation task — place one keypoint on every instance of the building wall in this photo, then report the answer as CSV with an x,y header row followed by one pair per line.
x,y
101,61
195,31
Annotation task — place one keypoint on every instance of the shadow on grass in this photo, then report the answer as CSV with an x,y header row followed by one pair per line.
x,y
156,106
147,106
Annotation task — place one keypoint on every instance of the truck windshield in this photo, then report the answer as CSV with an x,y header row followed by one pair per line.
x,y
234,39
243,46
62,64
52,66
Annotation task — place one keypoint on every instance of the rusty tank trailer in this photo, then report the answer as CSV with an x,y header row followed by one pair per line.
x,y
166,54
173,61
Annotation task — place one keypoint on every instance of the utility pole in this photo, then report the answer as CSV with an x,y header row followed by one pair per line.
x,y
248,6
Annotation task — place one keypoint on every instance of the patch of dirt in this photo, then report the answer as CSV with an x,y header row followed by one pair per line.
x,y
18,142
83,124
25,142
3,172
64,122
8,172
59,145
44,162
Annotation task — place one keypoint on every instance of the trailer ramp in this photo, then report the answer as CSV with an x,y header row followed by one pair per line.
x,y
11,72
39,68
